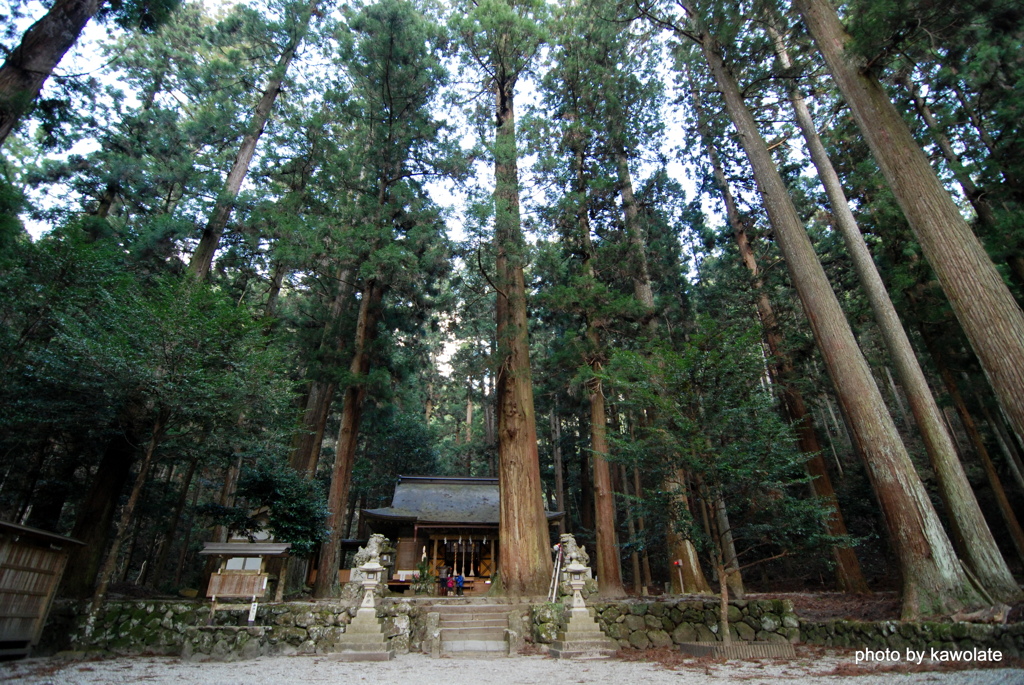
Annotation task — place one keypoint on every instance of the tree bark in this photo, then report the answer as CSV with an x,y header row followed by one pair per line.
x,y
967,521
326,584
934,581
640,273
523,529
42,47
733,577
987,311
609,566
971,428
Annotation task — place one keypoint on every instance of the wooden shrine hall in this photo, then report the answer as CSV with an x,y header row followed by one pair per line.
x,y
453,521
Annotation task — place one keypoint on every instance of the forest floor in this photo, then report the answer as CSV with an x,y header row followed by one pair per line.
x,y
824,606
667,667
877,606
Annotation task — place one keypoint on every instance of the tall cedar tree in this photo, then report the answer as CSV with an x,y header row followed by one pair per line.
x,y
970,531
501,38
396,73
991,318
933,580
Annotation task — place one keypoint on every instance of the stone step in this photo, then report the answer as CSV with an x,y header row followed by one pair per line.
x,y
363,655
472,633
496,622
572,652
361,646
490,646
464,609
471,654
583,645
487,619
582,634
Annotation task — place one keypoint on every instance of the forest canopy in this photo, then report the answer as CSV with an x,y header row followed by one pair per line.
x,y
727,283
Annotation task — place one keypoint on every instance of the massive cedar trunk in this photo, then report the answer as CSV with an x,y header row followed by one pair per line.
x,y
848,572
990,317
967,522
525,561
933,580
95,516
202,258
348,435
639,271
310,434
609,567
42,47
643,290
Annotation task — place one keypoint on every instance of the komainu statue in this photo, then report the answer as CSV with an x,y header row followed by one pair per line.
x,y
571,551
375,546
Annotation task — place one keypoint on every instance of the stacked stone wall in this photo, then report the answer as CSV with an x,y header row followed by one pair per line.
x,y
649,625
644,625
925,635
180,628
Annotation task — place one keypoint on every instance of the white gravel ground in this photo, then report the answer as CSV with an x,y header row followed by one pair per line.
x,y
415,669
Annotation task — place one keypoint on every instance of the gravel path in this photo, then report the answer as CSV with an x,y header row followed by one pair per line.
x,y
415,669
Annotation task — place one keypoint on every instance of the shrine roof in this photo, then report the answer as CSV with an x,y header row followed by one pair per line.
x,y
433,499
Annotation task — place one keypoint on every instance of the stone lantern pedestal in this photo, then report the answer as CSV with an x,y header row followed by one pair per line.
x,y
363,639
582,638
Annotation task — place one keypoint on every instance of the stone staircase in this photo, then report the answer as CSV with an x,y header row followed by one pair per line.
x,y
582,639
475,629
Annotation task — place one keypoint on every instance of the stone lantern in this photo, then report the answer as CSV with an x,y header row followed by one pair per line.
x,y
577,578
371,575
364,638
582,637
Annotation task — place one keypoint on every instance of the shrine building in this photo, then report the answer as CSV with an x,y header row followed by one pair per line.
x,y
451,521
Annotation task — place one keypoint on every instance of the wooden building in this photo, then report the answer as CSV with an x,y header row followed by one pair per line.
x,y
32,563
451,521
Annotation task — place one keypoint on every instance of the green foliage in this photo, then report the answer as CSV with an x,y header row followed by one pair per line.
x,y
280,501
709,415
394,443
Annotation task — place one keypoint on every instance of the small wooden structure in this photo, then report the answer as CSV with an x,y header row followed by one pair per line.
x,y
451,522
32,563
242,573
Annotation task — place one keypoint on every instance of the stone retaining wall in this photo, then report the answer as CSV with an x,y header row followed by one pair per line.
x,y
179,628
643,625
1008,639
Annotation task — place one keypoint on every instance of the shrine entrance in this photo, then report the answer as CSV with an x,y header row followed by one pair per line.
x,y
450,522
